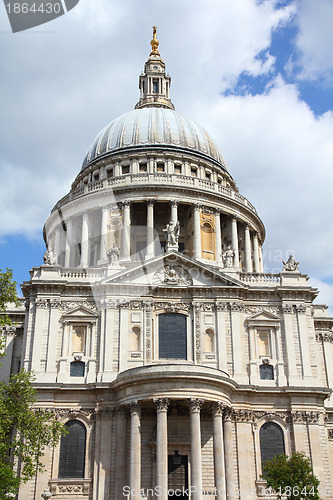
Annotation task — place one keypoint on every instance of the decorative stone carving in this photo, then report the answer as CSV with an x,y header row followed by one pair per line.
x,y
136,304
41,303
257,309
172,233
54,303
74,413
228,258
172,306
217,408
8,330
304,417
300,308
50,258
195,405
287,309
228,414
73,304
221,306
172,275
197,329
290,265
244,415
135,407
113,254
161,404
208,306
324,336
237,306
148,331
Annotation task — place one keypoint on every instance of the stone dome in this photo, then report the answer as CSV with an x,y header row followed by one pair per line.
x,y
154,126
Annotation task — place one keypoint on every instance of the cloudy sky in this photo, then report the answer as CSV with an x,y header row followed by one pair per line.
x,y
258,75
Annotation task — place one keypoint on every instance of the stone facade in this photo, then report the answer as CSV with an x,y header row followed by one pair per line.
x,y
154,232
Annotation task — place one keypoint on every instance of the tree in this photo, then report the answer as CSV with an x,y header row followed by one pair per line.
x,y
291,477
7,295
25,431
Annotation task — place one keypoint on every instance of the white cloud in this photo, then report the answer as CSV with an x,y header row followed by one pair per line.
x,y
315,39
281,156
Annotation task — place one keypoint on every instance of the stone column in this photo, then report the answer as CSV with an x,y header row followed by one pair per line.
x,y
197,232
135,450
162,446
196,465
126,232
261,259
85,240
248,257
254,375
121,453
218,451
230,479
256,253
57,242
281,376
304,344
68,243
288,320
234,241
103,257
218,256
174,211
150,230
51,368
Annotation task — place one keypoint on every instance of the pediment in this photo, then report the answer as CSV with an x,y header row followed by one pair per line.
x,y
263,317
172,270
80,312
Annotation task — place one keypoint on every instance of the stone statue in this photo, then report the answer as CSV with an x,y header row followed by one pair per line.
x,y
113,254
228,258
291,264
50,258
172,233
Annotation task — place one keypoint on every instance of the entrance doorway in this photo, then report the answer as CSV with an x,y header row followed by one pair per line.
x,y
178,476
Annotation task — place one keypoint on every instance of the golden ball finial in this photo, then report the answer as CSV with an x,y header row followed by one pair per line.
x,y
154,43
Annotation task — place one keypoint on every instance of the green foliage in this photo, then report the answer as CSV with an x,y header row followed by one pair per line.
x,y
7,294
24,432
291,477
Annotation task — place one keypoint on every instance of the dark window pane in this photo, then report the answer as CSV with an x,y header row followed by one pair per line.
x,y
271,441
77,369
73,450
172,336
266,372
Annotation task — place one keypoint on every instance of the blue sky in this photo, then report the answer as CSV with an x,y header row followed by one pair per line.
x,y
258,75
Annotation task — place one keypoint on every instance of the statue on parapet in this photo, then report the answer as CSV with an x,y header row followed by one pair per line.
x,y
50,258
228,258
290,265
172,233
114,254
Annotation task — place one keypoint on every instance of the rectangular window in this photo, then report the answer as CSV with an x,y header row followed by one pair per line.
x,y
143,167
110,173
194,171
178,169
159,167
172,336
125,169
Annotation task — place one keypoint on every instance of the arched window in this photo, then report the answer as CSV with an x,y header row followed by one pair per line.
x,y
136,334
172,336
271,441
77,369
72,450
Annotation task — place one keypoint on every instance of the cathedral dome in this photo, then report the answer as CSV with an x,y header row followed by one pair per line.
x,y
153,126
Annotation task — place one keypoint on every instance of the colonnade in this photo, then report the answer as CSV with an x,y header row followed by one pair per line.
x,y
251,261
222,450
